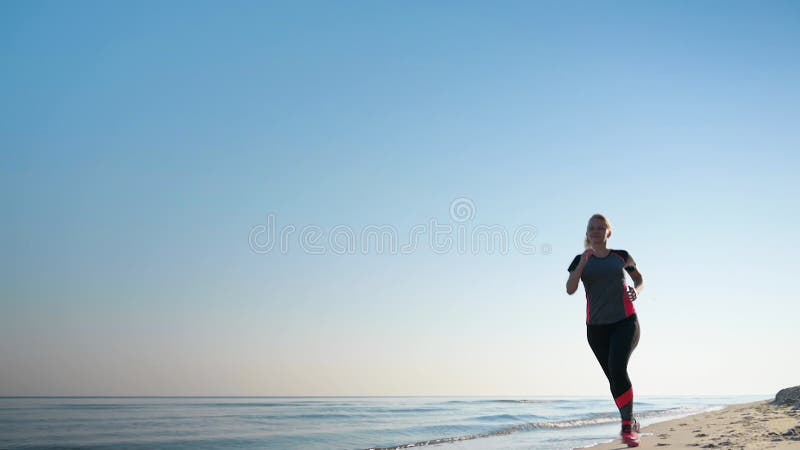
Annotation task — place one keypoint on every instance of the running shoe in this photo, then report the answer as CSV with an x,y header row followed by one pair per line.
x,y
630,433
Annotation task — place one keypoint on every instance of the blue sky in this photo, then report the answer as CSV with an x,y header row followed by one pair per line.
x,y
141,143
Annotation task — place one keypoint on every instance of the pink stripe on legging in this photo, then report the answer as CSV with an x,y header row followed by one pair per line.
x,y
625,398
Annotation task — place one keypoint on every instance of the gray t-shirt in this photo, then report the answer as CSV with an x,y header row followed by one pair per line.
x,y
607,298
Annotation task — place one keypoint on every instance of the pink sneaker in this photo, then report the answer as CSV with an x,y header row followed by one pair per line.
x,y
630,433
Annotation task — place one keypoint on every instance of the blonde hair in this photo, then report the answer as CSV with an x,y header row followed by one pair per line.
x,y
586,243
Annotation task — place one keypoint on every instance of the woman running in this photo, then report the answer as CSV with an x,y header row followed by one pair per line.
x,y
611,324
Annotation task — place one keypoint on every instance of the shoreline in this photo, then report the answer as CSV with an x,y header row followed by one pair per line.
x,y
756,425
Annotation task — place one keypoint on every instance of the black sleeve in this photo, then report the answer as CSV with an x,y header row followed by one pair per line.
x,y
630,264
574,263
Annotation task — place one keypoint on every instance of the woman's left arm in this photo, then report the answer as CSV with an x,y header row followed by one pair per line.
x,y
636,276
638,281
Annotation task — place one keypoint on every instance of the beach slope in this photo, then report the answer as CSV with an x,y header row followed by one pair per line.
x,y
759,425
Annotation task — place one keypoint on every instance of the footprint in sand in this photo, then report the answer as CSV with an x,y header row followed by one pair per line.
x,y
661,444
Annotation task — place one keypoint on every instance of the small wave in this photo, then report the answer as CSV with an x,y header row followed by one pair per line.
x,y
590,420
506,418
299,417
524,401
496,418
247,405
506,431
408,410
461,402
93,406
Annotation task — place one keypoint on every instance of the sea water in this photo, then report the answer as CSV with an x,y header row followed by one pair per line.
x,y
307,423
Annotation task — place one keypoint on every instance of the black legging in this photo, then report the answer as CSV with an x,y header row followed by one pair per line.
x,y
613,344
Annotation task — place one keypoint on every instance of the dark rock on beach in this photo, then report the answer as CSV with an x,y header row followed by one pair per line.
x,y
789,396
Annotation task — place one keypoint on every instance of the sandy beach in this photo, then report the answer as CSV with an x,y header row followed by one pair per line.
x,y
759,425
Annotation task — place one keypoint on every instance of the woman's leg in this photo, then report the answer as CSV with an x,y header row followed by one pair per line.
x,y
622,341
599,337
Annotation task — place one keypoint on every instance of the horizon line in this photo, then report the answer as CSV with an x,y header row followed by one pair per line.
x,y
370,396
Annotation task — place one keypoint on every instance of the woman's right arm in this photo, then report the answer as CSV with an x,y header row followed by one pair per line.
x,y
574,278
575,275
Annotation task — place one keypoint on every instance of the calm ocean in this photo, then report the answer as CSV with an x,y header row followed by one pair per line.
x,y
326,423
